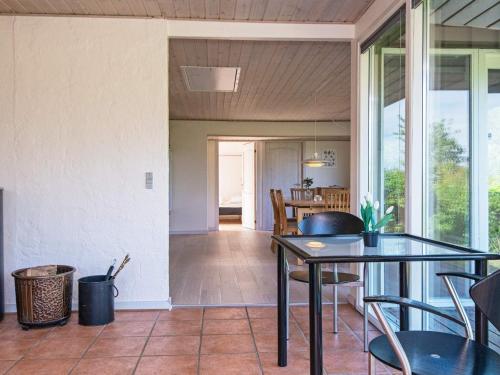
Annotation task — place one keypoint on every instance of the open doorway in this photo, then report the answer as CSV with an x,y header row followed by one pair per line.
x,y
275,112
236,180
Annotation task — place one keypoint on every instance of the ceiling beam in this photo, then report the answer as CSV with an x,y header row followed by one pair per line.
x,y
260,30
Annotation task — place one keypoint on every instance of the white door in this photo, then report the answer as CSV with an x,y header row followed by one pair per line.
x,y
282,170
248,188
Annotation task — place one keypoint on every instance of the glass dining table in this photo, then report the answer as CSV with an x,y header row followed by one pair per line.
x,y
400,248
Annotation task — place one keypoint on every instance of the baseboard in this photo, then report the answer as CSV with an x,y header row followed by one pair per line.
x,y
144,305
188,232
119,305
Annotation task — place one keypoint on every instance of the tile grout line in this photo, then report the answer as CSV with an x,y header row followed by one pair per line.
x,y
254,341
12,366
16,361
291,314
146,343
87,349
27,351
349,330
201,339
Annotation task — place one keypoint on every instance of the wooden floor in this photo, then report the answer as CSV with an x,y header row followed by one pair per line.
x,y
234,266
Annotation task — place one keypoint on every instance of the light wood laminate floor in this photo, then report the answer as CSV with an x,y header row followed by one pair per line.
x,y
231,267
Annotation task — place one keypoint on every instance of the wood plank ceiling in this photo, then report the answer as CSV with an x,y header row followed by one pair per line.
x,y
240,10
293,81
483,14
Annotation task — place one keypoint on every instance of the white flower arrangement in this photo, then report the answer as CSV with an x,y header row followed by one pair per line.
x,y
369,215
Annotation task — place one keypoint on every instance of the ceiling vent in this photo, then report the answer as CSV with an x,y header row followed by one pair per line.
x,y
211,79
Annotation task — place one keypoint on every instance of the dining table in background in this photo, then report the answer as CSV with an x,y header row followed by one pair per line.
x,y
305,207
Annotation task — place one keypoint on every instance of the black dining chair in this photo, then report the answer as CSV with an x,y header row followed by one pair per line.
x,y
332,223
431,353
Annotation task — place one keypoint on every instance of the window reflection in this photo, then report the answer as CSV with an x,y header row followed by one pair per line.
x,y
462,123
448,172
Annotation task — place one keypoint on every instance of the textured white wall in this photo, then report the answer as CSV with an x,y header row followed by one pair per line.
x,y
188,143
83,115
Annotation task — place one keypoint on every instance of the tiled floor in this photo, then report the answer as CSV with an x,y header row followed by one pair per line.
x,y
183,341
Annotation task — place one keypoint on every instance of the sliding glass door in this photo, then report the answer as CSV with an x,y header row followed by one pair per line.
x,y
489,106
461,132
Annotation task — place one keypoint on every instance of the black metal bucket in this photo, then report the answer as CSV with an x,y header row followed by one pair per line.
x,y
96,300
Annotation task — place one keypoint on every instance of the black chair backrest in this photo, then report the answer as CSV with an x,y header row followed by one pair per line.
x,y
486,295
331,222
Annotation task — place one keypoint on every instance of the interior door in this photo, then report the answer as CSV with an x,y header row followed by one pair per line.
x,y
248,188
281,170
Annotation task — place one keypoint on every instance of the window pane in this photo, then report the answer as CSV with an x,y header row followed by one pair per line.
x,y
462,140
388,124
494,160
448,136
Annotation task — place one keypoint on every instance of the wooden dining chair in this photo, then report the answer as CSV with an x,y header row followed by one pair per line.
x,y
428,352
339,201
326,192
287,225
276,217
298,194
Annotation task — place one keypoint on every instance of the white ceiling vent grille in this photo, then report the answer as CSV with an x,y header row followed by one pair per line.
x,y
211,79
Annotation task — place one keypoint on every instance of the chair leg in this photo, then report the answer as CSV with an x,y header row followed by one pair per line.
x,y
335,310
365,308
335,304
288,301
372,365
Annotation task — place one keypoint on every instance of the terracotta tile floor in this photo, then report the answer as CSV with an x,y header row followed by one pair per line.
x,y
183,341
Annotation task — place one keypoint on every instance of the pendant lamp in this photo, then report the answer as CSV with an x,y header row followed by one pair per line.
x,y
315,161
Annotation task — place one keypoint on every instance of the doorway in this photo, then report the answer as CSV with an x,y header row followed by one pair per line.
x,y
236,181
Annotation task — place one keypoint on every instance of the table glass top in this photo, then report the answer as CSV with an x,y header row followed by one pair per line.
x,y
352,246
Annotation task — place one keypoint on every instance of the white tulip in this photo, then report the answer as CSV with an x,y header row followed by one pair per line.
x,y
376,205
389,210
369,197
363,203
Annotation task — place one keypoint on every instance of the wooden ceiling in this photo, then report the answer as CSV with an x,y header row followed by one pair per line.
x,y
292,81
240,10
483,14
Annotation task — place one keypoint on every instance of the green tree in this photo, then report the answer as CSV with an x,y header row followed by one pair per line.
x,y
394,187
494,218
394,193
449,186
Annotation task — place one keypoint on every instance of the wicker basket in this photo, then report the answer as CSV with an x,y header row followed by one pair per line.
x,y
43,295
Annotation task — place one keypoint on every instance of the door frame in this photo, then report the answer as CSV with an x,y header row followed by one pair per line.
x,y
215,178
254,156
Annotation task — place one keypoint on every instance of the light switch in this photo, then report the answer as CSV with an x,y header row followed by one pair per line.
x,y
149,180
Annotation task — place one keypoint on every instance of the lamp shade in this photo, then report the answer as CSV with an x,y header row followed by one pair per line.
x,y
314,162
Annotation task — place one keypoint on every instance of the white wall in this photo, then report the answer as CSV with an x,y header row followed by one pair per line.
x,y
188,143
326,176
230,171
83,115
230,179
212,185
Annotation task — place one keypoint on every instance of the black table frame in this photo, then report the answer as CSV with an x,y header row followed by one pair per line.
x,y
315,304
